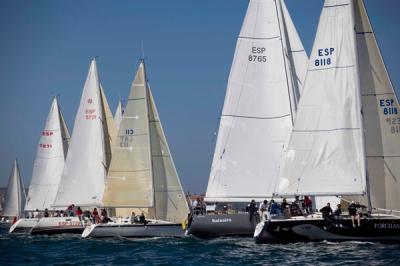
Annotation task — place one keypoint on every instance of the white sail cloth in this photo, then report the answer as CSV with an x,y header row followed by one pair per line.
x,y
326,153
49,163
118,114
260,103
15,196
84,172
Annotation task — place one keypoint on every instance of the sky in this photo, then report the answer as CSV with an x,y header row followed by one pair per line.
x,y
46,47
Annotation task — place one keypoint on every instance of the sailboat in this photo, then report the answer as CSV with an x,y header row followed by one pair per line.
x,y
13,207
47,170
87,161
345,140
118,114
142,174
260,105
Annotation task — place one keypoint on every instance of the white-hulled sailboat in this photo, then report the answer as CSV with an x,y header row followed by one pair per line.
x,y
142,173
47,170
346,138
264,86
87,161
13,207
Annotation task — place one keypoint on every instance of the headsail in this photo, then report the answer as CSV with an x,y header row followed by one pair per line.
x,y
118,114
326,150
15,196
260,103
142,172
49,163
170,201
129,182
381,117
82,182
109,128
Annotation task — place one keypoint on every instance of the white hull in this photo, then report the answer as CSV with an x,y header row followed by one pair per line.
x,y
152,229
23,225
58,225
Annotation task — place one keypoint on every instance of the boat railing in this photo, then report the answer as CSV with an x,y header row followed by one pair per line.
x,y
385,211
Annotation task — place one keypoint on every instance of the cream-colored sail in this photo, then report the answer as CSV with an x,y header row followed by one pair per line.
x,y
129,182
142,172
118,114
381,117
109,128
170,201
15,196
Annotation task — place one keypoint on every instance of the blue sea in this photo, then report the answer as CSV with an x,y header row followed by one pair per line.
x,y
71,250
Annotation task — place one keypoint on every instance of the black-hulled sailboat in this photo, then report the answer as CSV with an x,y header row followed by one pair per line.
x,y
346,137
264,86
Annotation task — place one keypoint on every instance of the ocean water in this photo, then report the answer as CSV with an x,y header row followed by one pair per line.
x,y
71,249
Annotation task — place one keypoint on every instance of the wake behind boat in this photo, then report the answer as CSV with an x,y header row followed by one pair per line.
x,y
263,89
142,173
348,144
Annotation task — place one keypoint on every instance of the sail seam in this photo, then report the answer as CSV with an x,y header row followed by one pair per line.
x,y
259,38
134,99
378,94
336,5
296,51
255,117
130,171
327,130
379,156
365,32
336,67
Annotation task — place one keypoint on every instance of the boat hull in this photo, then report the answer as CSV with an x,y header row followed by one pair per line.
x,y
58,225
23,226
375,229
215,225
133,230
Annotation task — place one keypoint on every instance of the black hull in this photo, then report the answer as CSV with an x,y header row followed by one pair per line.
x,y
374,229
240,224
56,231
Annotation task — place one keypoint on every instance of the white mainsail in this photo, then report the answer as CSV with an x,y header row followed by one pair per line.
x,y
381,117
82,182
15,196
49,163
118,114
326,153
264,85
142,173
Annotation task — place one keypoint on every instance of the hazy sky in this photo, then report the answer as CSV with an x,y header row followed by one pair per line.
x,y
46,46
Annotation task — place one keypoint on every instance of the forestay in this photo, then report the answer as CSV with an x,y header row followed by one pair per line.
x,y
260,103
49,163
14,201
326,151
82,182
